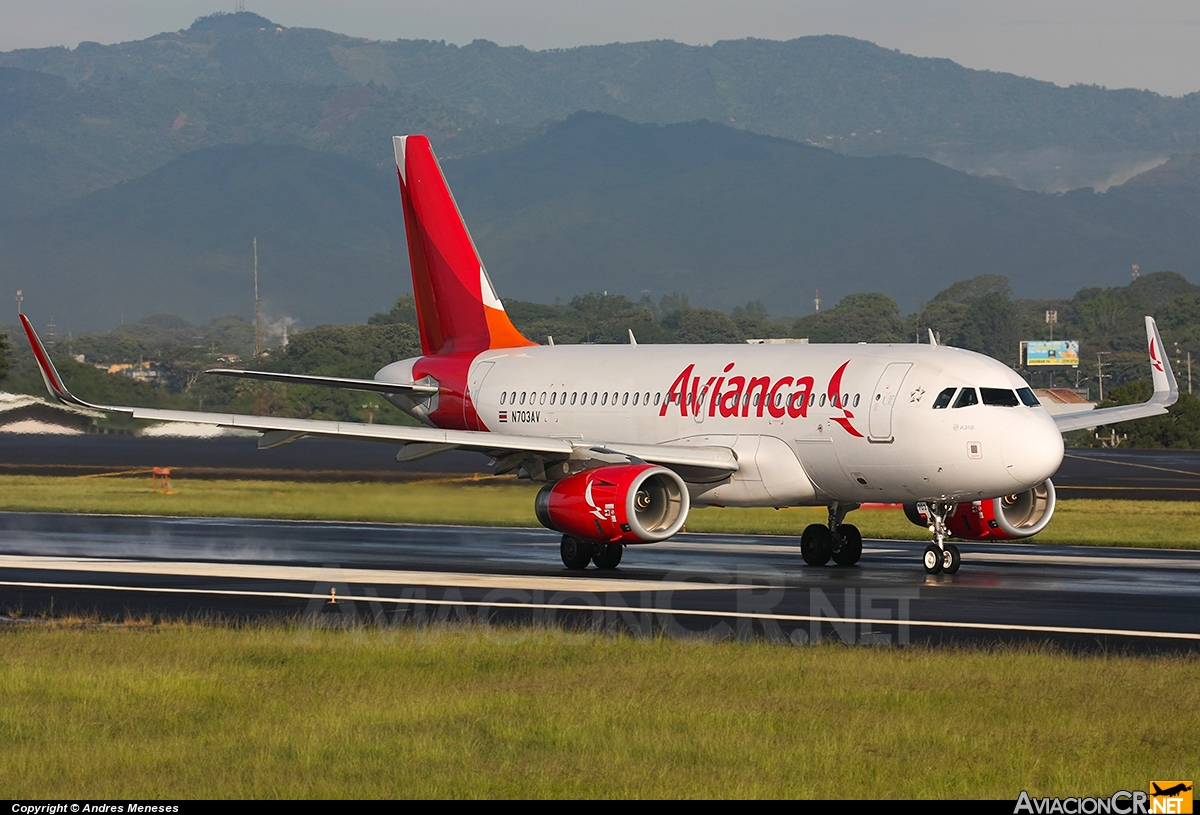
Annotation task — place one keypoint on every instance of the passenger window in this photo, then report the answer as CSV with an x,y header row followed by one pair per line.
x,y
593,397
822,400
522,397
966,398
646,401
999,397
573,395
656,399
856,400
624,399
943,398
1028,398
503,396
604,398
542,401
635,397
552,395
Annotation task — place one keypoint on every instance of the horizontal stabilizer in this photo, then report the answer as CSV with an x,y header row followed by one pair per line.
x,y
370,385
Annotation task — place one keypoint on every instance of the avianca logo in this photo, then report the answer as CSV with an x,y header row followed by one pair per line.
x,y
1154,357
734,396
609,512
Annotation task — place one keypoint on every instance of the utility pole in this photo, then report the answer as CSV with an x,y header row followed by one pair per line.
x,y
1100,375
258,338
817,301
20,298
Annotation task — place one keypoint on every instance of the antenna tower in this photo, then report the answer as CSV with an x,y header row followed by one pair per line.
x,y
20,297
258,337
817,301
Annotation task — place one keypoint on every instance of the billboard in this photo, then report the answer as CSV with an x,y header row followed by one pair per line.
x,y
1050,354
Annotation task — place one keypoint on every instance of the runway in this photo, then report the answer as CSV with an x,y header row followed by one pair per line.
x,y
719,586
1085,473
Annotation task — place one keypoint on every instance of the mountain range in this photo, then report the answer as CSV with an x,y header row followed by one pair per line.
x,y
595,202
133,177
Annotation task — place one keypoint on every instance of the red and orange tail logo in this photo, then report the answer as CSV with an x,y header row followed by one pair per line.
x,y
457,307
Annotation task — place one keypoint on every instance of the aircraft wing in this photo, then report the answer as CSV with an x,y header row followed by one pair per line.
x,y
1166,393
419,441
370,385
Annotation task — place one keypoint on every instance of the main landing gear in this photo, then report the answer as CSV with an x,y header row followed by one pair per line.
x,y
576,554
941,556
837,540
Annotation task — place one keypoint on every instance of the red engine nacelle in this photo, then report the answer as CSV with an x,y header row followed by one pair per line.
x,y
620,503
1008,518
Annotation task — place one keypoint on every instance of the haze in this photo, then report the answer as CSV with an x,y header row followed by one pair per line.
x,y
1154,44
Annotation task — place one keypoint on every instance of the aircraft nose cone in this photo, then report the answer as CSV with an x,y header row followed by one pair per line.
x,y
1033,449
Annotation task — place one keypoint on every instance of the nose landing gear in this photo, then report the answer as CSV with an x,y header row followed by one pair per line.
x,y
941,556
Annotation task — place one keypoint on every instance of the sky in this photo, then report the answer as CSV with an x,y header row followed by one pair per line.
x,y
1152,44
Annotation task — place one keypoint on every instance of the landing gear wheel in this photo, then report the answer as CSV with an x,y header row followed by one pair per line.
x,y
576,554
816,544
933,559
607,555
847,545
951,559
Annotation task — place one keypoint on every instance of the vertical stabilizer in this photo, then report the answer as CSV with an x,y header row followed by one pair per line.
x,y
457,307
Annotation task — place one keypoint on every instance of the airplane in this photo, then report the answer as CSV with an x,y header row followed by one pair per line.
x,y
1170,792
627,438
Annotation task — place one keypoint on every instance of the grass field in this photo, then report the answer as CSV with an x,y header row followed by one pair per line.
x,y
507,502
279,711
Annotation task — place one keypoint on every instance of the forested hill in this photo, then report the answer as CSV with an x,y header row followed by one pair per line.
x,y
846,94
595,203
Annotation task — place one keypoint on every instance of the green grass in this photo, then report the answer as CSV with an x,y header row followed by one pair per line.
x,y
508,502
278,711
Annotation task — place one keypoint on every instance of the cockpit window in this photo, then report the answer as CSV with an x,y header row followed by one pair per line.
x,y
966,398
943,398
1027,398
1000,397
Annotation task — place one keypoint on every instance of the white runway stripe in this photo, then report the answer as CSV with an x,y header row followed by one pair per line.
x,y
320,574
798,618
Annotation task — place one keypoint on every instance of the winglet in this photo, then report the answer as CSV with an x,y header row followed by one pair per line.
x,y
50,376
54,382
932,339
1166,389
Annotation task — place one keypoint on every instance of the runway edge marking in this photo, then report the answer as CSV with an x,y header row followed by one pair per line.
x,y
799,618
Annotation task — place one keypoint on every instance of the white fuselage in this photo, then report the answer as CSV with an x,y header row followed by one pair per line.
x,y
810,424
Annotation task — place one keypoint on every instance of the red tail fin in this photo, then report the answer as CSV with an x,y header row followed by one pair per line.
x,y
457,308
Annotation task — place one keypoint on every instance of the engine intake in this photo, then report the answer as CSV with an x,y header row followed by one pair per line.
x,y
620,503
1010,517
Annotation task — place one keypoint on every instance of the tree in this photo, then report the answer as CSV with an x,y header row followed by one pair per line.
x,y
866,317
5,349
706,325
404,312
1179,429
